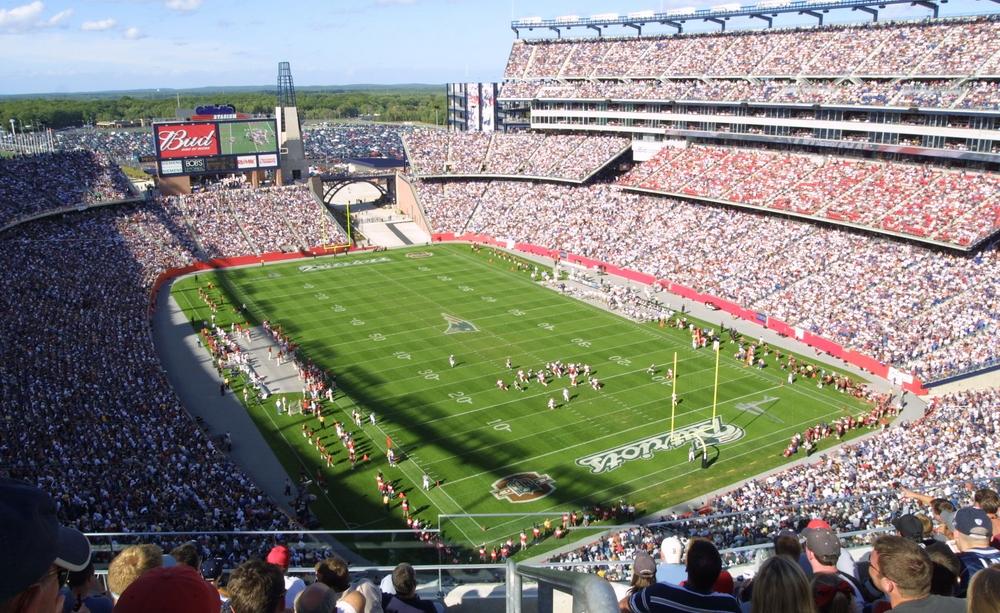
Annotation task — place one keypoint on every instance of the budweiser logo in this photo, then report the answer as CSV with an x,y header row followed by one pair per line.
x,y
175,140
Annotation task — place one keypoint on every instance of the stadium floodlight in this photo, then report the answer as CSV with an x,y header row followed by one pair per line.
x,y
567,18
768,4
819,1
604,16
723,8
642,14
530,20
687,10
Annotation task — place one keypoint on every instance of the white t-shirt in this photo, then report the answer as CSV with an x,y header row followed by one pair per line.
x,y
293,586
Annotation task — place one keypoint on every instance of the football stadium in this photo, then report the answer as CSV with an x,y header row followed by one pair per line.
x,y
665,320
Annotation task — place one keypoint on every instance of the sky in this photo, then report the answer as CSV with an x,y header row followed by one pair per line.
x,y
67,46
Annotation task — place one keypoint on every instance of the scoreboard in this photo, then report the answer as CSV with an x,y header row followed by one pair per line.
x,y
215,147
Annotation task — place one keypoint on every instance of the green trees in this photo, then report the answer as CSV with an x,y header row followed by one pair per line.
x,y
418,104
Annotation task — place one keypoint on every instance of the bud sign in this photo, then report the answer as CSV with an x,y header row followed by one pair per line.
x,y
181,140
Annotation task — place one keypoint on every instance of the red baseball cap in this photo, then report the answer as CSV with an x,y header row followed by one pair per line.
x,y
168,590
817,524
279,556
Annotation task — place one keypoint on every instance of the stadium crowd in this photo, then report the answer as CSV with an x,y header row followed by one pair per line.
x,y
240,221
39,183
956,47
925,312
434,152
122,145
952,206
332,142
927,94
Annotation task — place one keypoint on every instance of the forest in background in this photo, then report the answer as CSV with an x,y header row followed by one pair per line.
x,y
424,104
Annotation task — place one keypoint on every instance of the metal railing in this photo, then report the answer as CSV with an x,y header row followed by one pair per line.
x,y
589,592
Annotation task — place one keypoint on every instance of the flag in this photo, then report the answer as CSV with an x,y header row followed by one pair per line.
x,y
388,442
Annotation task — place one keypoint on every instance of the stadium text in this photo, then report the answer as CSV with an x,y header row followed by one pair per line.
x,y
717,433
331,265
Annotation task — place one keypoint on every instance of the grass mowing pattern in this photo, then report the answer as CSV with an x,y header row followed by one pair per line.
x,y
379,326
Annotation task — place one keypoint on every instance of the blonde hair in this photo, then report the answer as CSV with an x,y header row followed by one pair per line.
x,y
984,591
130,564
780,586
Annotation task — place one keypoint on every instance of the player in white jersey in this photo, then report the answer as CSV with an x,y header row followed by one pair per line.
x,y
451,361
552,403
565,395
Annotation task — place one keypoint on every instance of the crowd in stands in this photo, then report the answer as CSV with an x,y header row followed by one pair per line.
x,y
90,415
556,156
122,145
49,566
330,142
243,221
923,311
952,206
39,183
981,94
866,485
935,48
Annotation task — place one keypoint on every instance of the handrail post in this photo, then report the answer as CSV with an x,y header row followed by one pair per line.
x,y
513,587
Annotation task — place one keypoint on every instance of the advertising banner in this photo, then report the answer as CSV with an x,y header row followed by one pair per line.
x,y
473,104
185,140
489,107
246,161
267,161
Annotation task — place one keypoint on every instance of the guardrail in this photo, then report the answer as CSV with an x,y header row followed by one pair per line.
x,y
589,592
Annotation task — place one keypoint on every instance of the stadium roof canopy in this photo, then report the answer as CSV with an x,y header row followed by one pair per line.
x,y
765,10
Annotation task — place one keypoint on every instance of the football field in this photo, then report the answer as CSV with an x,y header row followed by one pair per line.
x,y
242,137
386,323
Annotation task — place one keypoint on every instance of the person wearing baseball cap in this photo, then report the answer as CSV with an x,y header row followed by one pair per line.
x,y
37,550
168,589
281,556
973,531
822,548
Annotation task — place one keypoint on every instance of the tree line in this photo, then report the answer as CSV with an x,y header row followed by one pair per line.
x,y
423,105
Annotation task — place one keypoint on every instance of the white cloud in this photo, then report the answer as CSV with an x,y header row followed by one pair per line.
x,y
134,33
58,18
98,26
21,18
183,5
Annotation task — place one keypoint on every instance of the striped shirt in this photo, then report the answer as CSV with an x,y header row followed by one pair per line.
x,y
667,598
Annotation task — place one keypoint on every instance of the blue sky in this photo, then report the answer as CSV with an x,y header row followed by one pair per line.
x,y
96,45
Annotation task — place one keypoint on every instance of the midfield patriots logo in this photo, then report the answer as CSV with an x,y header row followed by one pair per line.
x,y
456,325
523,487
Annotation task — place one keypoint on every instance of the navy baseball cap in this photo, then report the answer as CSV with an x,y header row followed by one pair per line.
x,y
211,569
31,539
973,522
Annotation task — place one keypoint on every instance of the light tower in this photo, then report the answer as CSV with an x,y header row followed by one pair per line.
x,y
293,157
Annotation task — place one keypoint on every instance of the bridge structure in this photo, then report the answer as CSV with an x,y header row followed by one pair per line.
x,y
384,182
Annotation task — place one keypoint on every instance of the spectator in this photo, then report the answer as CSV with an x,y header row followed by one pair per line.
x,y
333,571
36,550
703,567
780,586
211,571
130,564
989,501
902,571
832,594
909,527
320,598
947,568
643,573
670,569
81,591
823,550
973,531
257,587
984,591
280,556
169,590
187,554
405,599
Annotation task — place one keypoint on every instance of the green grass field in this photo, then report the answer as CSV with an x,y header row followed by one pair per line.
x,y
234,137
380,322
